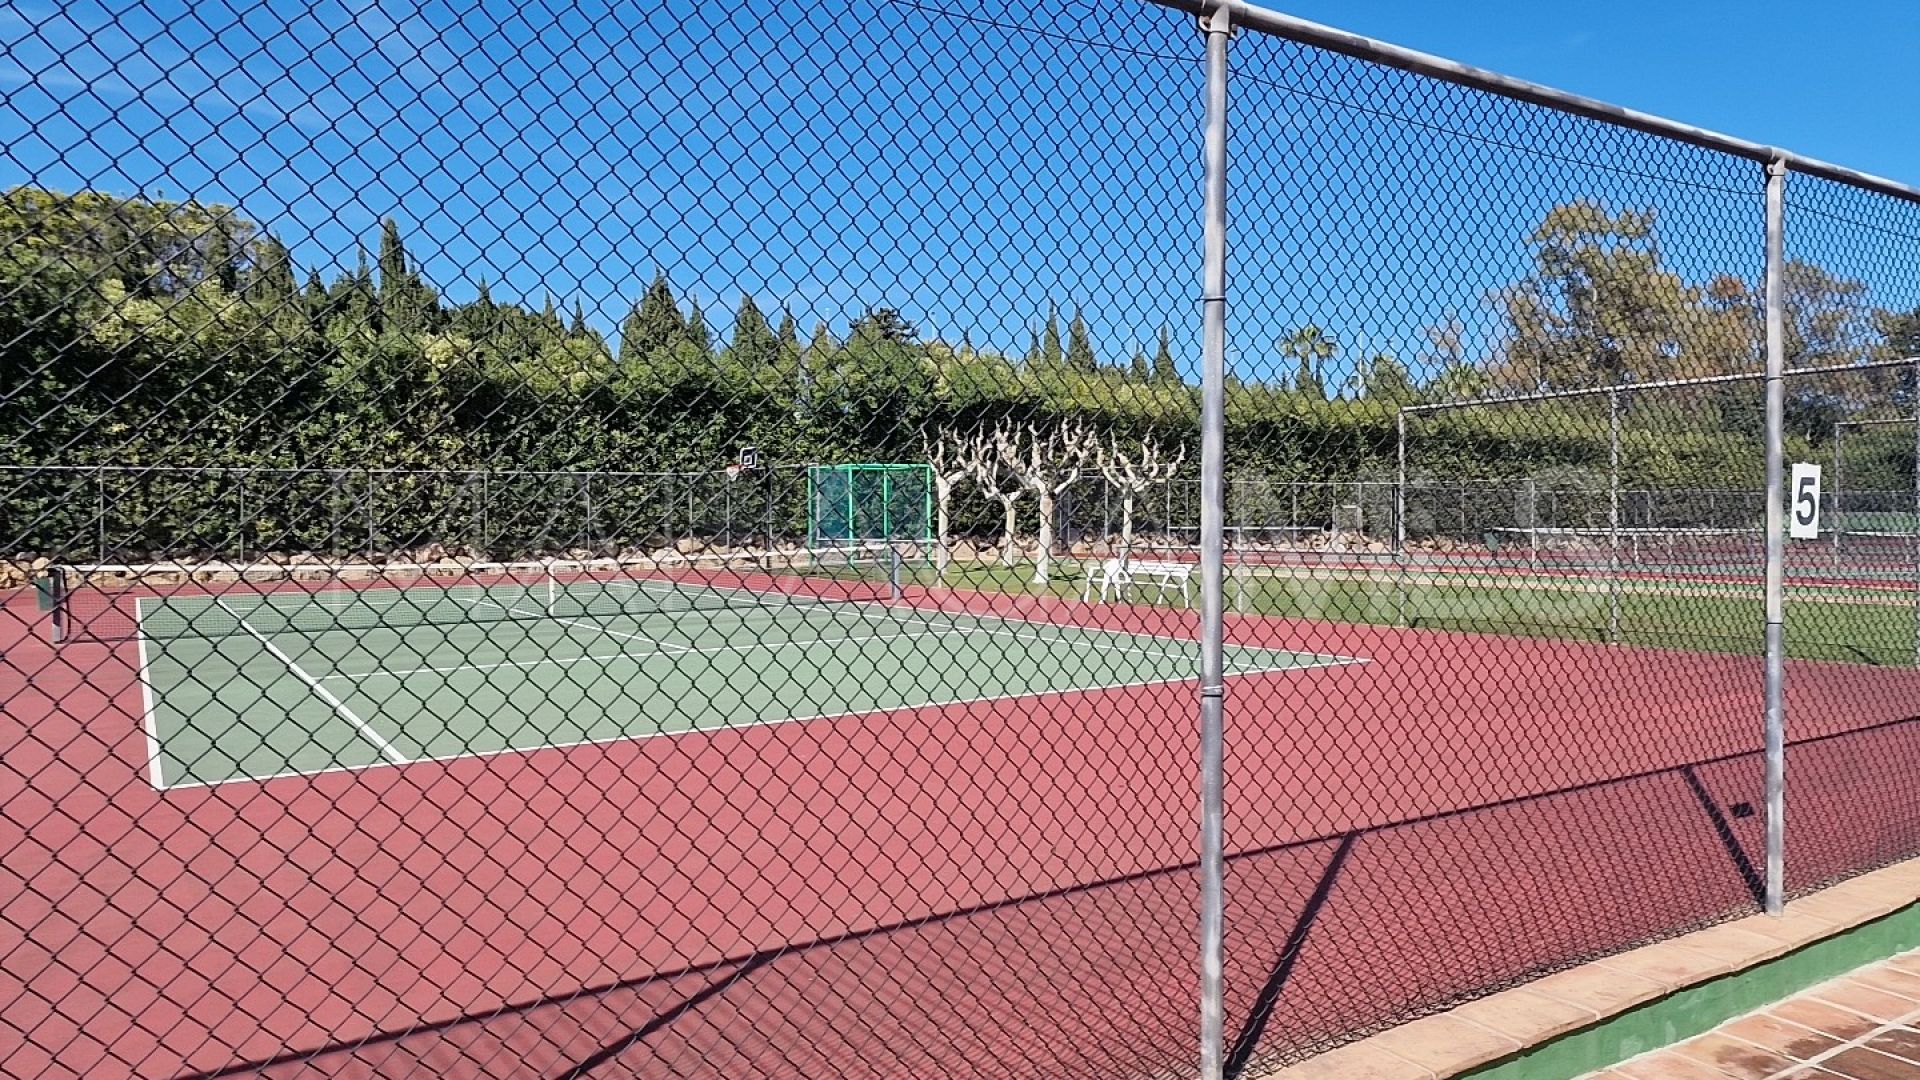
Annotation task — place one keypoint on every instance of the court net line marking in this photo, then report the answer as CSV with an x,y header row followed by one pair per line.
x,y
656,642
566,661
366,731
951,631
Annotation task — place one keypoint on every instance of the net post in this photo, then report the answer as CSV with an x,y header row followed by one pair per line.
x,y
51,586
1775,524
1613,515
1217,25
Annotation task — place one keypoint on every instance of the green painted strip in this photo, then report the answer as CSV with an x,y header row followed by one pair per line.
x,y
1685,1013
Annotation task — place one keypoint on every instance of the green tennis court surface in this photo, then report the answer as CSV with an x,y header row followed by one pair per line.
x,y
253,687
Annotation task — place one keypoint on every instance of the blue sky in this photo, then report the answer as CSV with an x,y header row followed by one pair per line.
x,y
967,161
1831,80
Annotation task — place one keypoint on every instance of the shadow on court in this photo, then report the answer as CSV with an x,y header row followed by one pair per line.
x,y
1328,937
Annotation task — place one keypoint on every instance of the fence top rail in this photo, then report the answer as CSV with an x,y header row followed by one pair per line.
x,y
1360,47
1658,384
350,471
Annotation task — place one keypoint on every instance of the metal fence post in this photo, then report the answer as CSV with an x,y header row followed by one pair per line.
x,y
1915,525
1400,516
1217,25
1613,515
1839,516
1776,547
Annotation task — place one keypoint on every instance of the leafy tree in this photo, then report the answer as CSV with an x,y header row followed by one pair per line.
x,y
1598,307
1387,379
882,324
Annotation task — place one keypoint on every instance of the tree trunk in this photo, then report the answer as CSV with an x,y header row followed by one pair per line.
x,y
1126,524
1008,540
1043,561
942,552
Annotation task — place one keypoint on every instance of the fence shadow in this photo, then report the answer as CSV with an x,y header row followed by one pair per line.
x,y
1329,937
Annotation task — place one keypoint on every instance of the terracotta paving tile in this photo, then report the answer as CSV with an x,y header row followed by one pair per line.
x,y
1668,1066
1860,1064
1893,981
1783,1038
1866,1000
1823,1018
1903,1043
1736,1058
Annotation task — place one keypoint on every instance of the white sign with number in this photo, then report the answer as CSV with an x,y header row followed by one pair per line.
x,y
1803,514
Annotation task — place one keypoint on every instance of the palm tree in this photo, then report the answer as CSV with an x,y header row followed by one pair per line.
x,y
1311,347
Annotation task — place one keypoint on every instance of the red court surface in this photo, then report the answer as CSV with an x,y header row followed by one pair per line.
x,y
996,889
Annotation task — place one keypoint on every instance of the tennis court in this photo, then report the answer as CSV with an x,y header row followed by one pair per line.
x,y
245,681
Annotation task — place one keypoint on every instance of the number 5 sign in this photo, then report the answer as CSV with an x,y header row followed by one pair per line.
x,y
1803,518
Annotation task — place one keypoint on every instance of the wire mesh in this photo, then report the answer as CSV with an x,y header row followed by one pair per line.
x,y
640,541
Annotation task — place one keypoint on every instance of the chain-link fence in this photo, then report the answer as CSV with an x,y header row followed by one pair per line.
x,y
714,541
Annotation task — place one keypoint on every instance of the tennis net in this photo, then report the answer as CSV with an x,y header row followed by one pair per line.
x,y
101,602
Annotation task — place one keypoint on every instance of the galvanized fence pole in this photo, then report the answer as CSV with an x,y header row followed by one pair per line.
x,y
1776,550
1217,25
1613,515
1400,517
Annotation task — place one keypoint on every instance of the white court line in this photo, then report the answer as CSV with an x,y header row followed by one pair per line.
x,y
1320,661
386,748
568,661
574,622
148,723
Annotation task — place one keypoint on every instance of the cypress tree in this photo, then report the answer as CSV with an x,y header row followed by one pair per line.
x,y
789,337
697,333
1052,356
1138,371
272,278
1163,367
753,344
654,324
1080,346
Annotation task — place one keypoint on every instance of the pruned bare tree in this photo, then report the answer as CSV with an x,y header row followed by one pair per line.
x,y
998,483
1133,470
1046,461
947,455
